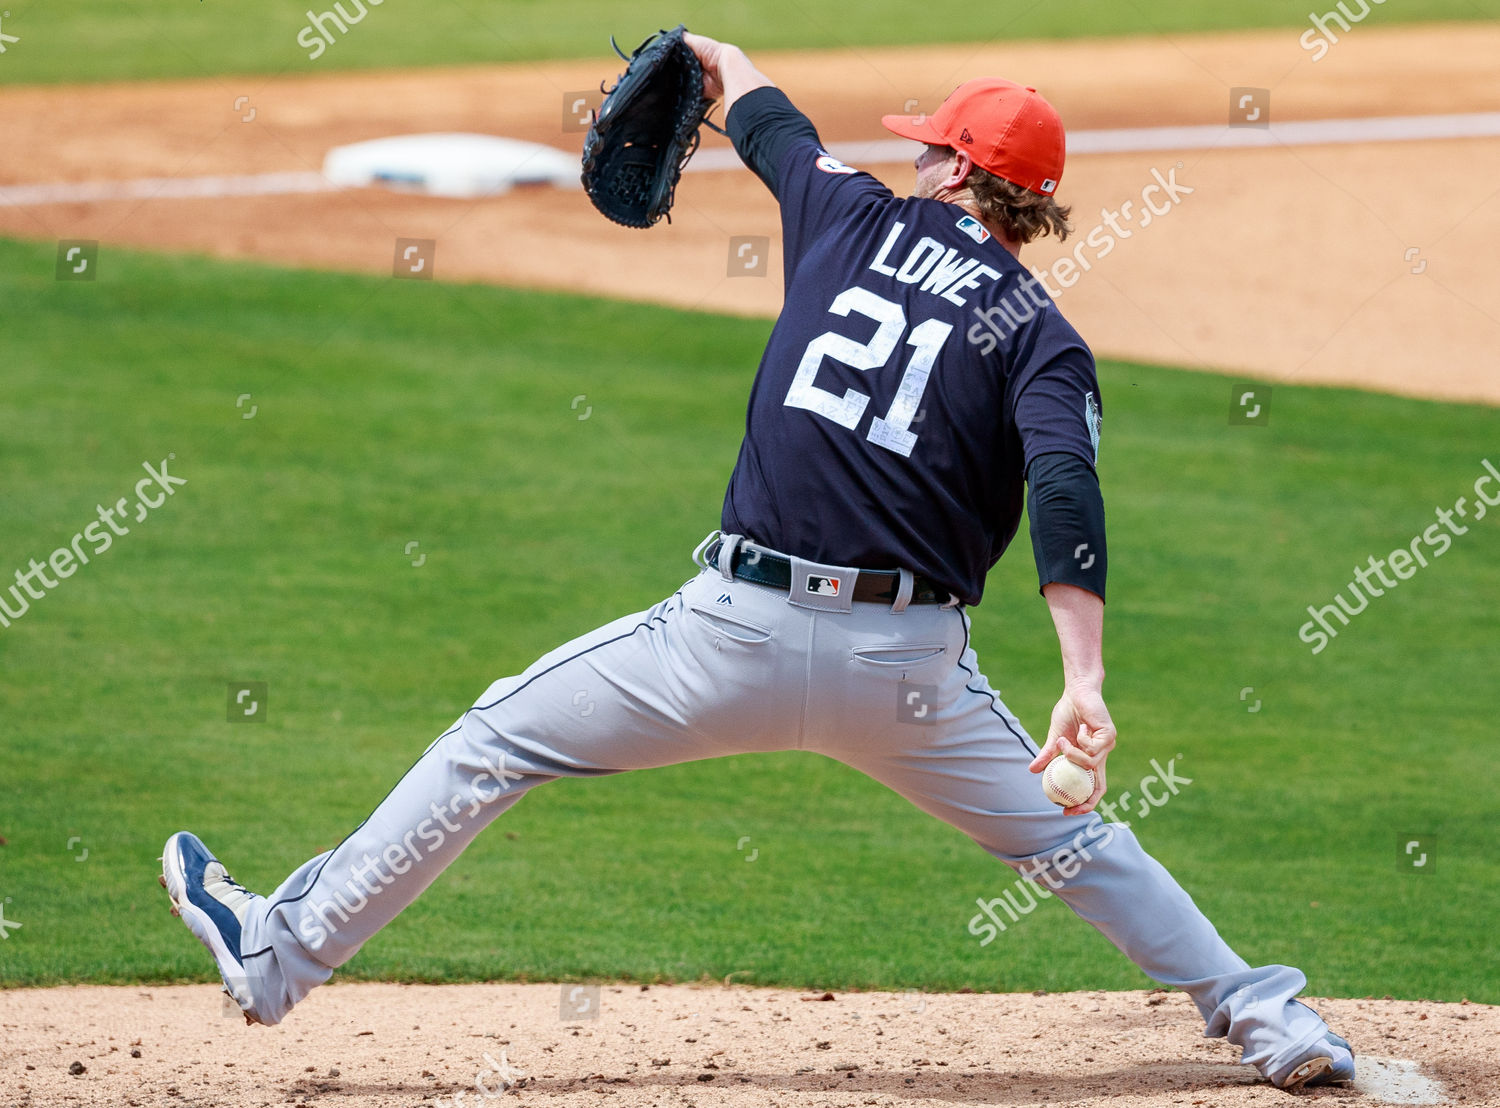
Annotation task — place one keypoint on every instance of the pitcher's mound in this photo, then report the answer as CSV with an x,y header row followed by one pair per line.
x,y
626,1045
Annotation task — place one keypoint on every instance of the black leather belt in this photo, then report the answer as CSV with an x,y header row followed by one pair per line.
x,y
760,567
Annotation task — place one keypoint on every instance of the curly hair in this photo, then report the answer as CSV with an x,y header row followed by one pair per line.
x,y
1022,214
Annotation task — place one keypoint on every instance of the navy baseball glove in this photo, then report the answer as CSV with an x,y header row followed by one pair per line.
x,y
645,131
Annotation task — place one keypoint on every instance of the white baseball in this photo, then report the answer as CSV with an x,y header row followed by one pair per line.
x,y
1067,784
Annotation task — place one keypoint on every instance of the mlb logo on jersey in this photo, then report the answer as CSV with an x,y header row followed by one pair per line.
x,y
974,229
823,586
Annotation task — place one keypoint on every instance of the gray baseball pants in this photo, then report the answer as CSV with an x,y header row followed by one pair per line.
x,y
726,667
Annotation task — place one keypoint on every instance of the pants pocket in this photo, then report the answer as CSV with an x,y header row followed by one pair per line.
x,y
732,627
897,655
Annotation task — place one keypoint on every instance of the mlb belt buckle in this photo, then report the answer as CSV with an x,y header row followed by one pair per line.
x,y
822,588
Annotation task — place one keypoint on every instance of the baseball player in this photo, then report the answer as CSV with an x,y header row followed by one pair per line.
x,y
915,384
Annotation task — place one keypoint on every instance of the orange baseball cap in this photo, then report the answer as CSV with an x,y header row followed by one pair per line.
x,y
1008,129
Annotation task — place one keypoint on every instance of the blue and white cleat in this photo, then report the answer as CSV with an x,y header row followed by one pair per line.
x,y
1331,1063
213,905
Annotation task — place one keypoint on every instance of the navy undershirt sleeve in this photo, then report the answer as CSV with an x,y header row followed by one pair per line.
x,y
764,125
1067,522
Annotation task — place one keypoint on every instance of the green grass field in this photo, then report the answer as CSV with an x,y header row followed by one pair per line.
x,y
390,412
91,40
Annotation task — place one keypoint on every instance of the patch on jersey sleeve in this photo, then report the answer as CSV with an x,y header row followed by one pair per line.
x,y
1095,420
829,164
974,229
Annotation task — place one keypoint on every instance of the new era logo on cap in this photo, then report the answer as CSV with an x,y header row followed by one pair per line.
x,y
823,586
966,136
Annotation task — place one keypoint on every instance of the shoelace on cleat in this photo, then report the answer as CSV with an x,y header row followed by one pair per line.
x,y
226,890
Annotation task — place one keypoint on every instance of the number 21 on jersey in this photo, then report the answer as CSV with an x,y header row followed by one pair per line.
x,y
893,431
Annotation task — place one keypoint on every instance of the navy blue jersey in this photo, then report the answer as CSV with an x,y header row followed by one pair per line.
x,y
915,372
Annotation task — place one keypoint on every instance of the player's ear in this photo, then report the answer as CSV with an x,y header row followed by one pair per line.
x,y
962,163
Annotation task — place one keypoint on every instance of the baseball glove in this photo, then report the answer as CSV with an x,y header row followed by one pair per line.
x,y
645,131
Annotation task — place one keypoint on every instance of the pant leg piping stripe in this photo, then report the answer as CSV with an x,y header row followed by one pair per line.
x,y
994,707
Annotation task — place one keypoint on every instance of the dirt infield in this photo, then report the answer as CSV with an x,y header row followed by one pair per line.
x,y
1354,263
383,1046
